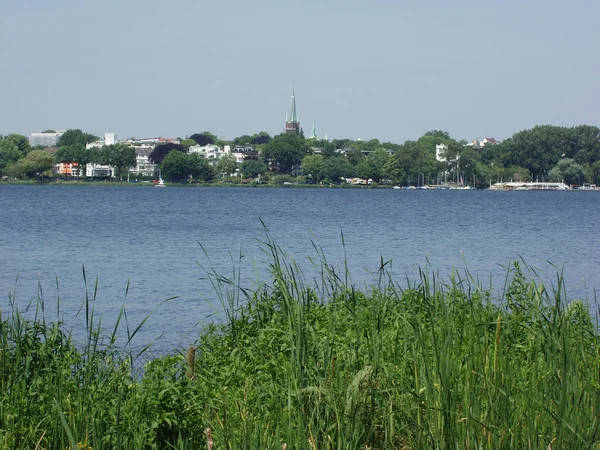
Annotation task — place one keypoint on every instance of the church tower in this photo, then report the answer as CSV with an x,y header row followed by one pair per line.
x,y
292,122
313,132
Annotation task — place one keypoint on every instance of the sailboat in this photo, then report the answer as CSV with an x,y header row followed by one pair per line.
x,y
160,183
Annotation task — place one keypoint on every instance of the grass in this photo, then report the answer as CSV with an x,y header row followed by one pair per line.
x,y
321,365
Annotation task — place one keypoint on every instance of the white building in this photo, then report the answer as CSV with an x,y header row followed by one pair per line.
x,y
242,153
159,140
440,152
142,162
99,170
45,139
209,151
476,143
109,139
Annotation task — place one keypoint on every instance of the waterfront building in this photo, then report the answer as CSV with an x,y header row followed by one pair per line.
x,y
99,170
143,165
292,121
243,153
70,169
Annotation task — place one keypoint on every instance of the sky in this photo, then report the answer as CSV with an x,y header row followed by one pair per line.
x,y
385,69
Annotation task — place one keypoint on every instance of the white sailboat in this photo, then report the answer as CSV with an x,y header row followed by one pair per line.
x,y
161,183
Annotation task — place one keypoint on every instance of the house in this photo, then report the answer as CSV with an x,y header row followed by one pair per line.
x,y
209,151
476,143
99,170
243,153
70,169
143,165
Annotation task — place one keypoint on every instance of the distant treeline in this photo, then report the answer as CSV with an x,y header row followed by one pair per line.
x,y
544,153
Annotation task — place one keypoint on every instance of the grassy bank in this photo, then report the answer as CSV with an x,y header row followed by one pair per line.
x,y
320,365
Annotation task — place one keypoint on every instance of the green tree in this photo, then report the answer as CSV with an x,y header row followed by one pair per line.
x,y
285,151
393,170
251,168
336,168
355,156
373,166
176,166
201,168
567,171
33,165
120,156
595,173
161,151
21,142
179,166
515,173
77,153
587,144
417,160
9,153
327,149
538,149
243,140
438,134
204,138
187,143
76,137
312,165
260,138
341,143
227,165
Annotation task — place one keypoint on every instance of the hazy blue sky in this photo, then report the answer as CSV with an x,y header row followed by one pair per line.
x,y
385,69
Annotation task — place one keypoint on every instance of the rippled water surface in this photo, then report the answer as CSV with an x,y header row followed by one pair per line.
x,y
162,242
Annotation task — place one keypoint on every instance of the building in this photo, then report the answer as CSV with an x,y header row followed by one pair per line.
x,y
243,153
45,139
313,132
292,122
209,151
99,170
476,143
109,139
68,169
158,141
440,152
486,141
143,166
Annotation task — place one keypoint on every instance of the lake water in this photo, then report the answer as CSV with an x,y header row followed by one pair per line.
x,y
163,241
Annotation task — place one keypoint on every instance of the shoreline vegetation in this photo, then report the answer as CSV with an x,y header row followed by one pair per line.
x,y
496,187
543,154
318,364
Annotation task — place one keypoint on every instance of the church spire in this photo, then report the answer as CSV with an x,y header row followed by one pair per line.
x,y
292,115
313,133
292,122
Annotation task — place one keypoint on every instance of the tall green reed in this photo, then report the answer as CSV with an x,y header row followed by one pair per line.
x,y
314,362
